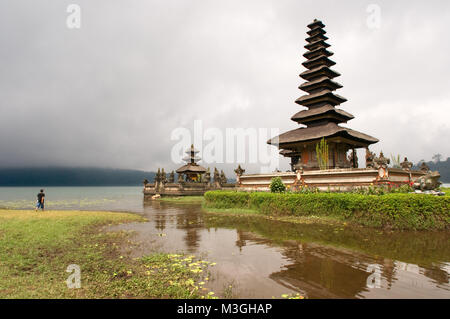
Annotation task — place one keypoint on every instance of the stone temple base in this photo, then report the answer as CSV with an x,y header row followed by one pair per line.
x,y
184,188
333,179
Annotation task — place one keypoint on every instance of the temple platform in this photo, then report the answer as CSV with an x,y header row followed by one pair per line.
x,y
332,179
184,188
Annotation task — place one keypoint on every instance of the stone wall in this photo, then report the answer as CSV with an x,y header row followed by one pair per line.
x,y
333,179
183,188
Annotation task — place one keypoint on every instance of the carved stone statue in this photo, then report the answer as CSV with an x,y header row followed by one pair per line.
x,y
428,182
180,178
163,176
406,165
381,161
298,167
216,175
172,177
207,177
370,157
239,170
424,167
158,176
223,178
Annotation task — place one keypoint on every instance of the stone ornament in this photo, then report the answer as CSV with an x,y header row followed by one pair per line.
x,y
381,161
216,175
370,157
406,165
207,177
424,167
172,177
163,177
223,178
158,176
428,182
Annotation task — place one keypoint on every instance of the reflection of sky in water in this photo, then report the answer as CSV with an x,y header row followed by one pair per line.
x,y
419,282
261,258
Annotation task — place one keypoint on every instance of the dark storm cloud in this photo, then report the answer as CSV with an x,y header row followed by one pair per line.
x,y
111,93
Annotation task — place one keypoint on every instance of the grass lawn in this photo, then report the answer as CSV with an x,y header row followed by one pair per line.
x,y
36,248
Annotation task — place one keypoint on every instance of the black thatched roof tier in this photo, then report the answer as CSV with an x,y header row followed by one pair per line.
x,y
191,168
317,52
322,97
317,62
308,134
328,112
311,75
316,37
191,150
316,24
317,44
315,31
320,83
191,158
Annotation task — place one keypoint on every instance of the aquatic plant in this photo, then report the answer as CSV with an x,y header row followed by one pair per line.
x,y
322,154
395,160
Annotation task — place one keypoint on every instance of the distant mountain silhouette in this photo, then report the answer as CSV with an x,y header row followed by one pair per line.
x,y
442,166
67,176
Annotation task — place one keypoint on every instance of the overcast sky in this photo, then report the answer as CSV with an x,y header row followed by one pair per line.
x,y
112,92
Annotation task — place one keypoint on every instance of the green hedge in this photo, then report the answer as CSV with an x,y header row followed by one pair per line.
x,y
397,211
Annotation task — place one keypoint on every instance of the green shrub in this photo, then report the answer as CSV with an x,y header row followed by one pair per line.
x,y
277,186
395,210
307,190
381,190
227,199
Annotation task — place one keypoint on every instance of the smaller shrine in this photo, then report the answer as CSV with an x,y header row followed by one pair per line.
x,y
192,179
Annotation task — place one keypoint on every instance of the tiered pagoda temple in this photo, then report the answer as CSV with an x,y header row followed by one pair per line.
x,y
322,117
320,120
191,170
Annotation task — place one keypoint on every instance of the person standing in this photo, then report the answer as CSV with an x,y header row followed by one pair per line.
x,y
40,200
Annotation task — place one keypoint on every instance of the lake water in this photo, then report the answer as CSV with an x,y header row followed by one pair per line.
x,y
259,258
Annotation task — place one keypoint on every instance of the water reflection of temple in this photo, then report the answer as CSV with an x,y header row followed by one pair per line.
x,y
187,219
189,222
315,271
322,271
240,242
314,265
